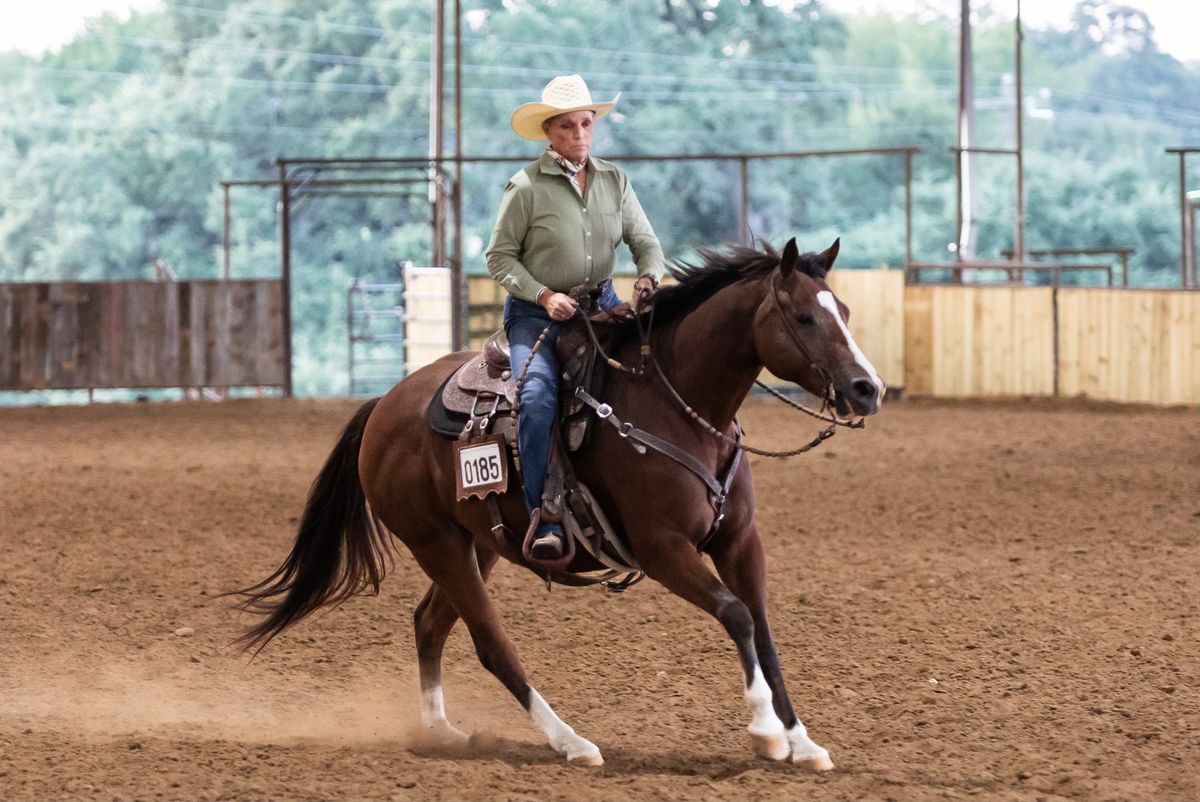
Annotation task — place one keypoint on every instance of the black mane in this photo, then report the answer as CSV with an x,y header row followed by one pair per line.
x,y
696,283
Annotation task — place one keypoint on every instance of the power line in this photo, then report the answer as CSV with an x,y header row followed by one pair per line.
x,y
256,83
469,68
798,93
89,125
1174,116
377,32
596,52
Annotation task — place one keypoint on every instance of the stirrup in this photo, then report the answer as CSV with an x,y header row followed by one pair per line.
x,y
556,563
548,546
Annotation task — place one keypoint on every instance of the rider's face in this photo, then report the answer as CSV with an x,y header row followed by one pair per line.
x,y
570,134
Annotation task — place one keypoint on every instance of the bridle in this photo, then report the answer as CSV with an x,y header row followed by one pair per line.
x,y
827,396
648,357
585,297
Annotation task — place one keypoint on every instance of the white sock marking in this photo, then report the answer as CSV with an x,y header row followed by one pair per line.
x,y
763,719
433,708
433,718
825,298
803,747
562,738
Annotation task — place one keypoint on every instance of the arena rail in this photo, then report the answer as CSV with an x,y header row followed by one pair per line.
x,y
141,334
953,341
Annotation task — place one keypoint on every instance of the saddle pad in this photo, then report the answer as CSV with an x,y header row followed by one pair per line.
x,y
442,420
450,422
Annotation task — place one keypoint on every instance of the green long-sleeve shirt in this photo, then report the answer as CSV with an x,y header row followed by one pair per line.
x,y
548,236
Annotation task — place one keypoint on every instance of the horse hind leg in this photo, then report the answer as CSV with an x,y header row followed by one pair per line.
x,y
433,620
459,581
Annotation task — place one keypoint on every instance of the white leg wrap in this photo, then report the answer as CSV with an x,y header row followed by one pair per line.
x,y
763,719
562,738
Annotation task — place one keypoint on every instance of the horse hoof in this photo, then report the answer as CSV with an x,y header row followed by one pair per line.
x,y
772,747
589,759
441,738
818,761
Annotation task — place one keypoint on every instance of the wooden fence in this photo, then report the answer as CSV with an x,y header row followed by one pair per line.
x,y
1130,345
987,342
979,341
1123,345
71,335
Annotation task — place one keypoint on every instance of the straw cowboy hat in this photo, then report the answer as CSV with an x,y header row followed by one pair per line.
x,y
563,94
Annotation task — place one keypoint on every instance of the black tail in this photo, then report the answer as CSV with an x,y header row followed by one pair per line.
x,y
340,550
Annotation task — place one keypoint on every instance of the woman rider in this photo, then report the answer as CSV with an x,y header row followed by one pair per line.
x,y
561,220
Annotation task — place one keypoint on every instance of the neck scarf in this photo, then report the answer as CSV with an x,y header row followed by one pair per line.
x,y
569,167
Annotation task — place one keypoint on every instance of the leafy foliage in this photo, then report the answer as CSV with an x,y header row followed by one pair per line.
x,y
112,148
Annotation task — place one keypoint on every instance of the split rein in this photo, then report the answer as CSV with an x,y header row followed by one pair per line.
x,y
647,356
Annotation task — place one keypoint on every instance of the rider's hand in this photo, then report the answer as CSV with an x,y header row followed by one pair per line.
x,y
559,305
643,291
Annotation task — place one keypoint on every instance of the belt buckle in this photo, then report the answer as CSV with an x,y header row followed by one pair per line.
x,y
603,411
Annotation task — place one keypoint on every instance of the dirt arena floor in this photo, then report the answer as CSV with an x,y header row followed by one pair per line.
x,y
996,601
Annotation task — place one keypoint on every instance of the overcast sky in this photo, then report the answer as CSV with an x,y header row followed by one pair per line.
x,y
33,26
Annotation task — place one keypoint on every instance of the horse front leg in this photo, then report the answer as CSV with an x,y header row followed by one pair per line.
x,y
742,567
674,563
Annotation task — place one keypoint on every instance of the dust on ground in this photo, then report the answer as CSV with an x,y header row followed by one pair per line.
x,y
994,600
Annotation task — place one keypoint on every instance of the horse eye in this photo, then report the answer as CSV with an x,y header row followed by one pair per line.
x,y
805,320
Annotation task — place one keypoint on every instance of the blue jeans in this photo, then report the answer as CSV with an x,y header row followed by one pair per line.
x,y
524,322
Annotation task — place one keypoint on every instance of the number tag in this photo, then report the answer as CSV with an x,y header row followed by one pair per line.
x,y
481,467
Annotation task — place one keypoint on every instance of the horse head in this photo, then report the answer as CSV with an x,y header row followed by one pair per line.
x,y
800,334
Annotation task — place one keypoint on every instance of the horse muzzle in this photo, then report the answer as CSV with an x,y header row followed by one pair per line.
x,y
859,393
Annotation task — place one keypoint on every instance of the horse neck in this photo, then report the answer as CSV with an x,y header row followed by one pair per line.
x,y
710,357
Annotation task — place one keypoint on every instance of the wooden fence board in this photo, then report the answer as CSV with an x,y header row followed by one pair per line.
x,y
1136,346
1181,352
67,335
33,337
876,302
7,376
88,312
427,327
195,365
62,347
918,340
978,341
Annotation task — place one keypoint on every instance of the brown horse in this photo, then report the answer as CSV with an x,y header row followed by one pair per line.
x,y
714,331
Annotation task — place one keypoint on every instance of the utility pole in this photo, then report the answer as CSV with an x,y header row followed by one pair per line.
x,y
437,197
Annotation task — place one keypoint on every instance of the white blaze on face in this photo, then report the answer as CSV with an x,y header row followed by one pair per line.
x,y
825,299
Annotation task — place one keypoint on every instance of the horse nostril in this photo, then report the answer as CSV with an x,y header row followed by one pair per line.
x,y
863,388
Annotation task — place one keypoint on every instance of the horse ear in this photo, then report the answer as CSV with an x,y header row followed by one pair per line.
x,y
790,258
828,255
